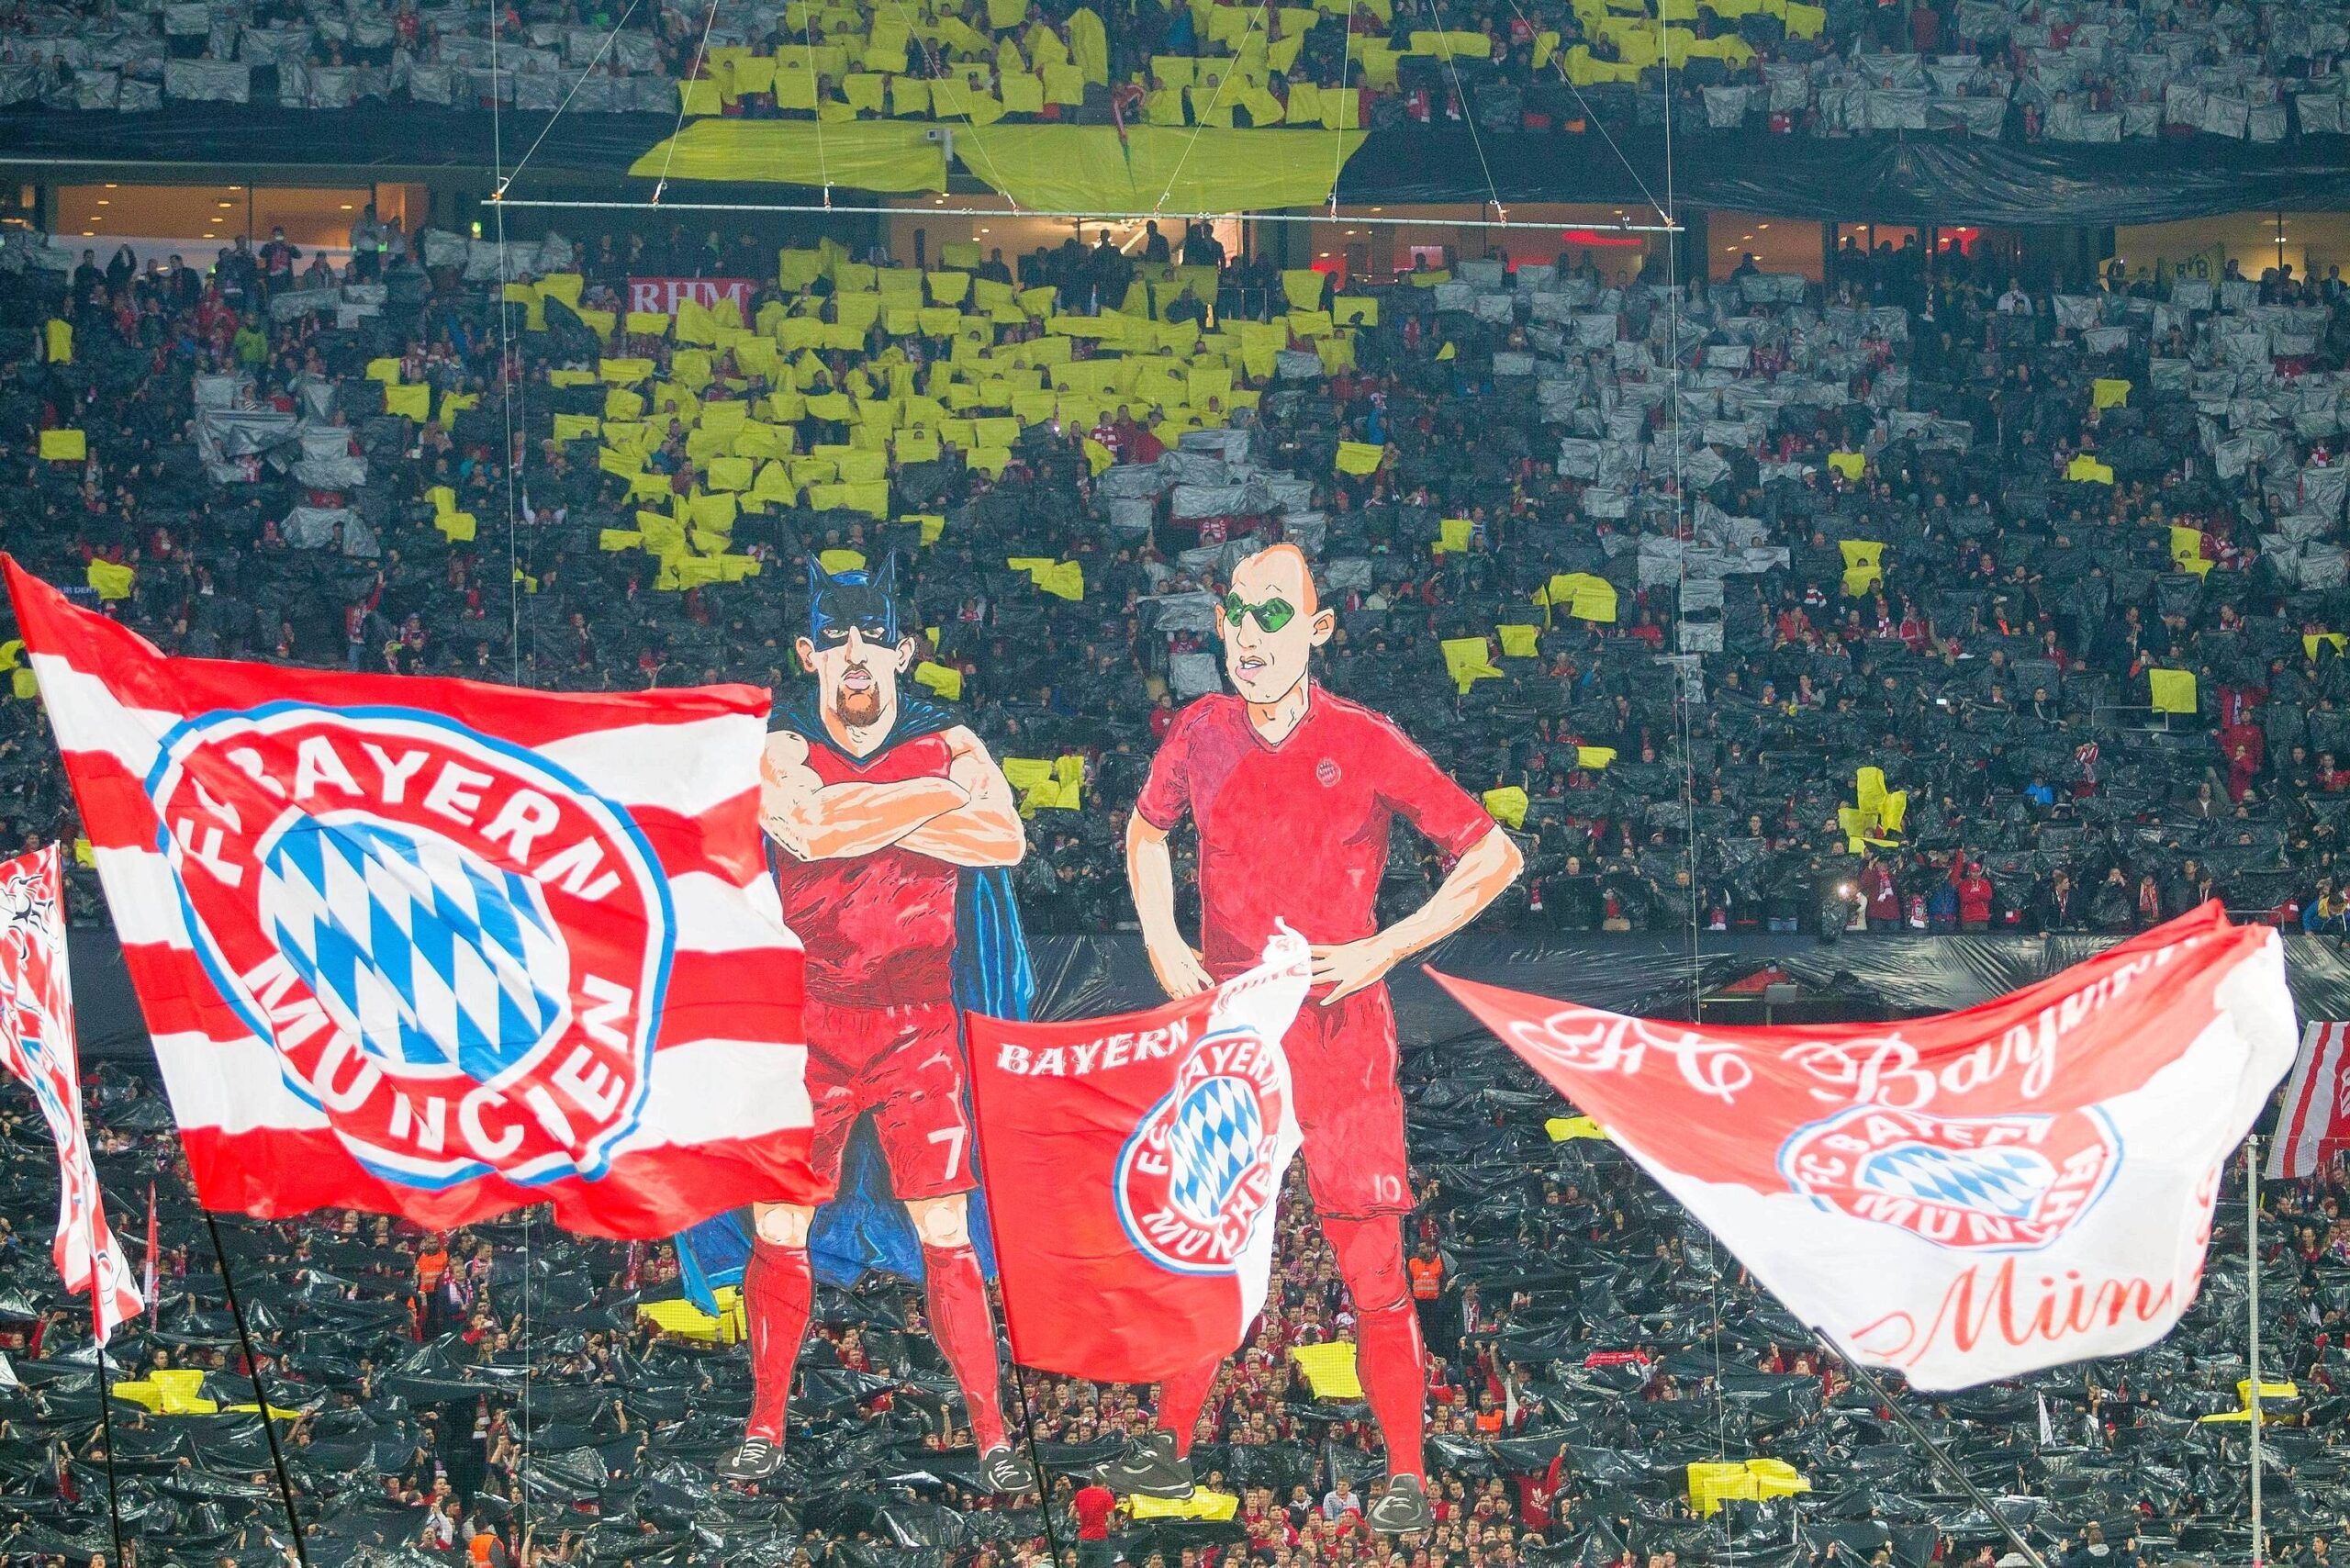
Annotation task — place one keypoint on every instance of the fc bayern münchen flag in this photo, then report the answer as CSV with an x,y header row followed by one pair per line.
x,y
1964,1197
37,1047
437,948
1132,1164
2314,1125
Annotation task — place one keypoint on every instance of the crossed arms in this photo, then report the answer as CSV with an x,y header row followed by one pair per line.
x,y
967,818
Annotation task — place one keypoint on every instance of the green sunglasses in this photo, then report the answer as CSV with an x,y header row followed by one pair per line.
x,y
1272,615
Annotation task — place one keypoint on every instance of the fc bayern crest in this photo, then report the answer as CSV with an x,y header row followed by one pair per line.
x,y
1992,1183
457,949
1202,1170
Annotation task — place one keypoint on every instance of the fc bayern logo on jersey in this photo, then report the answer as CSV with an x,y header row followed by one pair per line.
x,y
1200,1172
1994,1183
457,949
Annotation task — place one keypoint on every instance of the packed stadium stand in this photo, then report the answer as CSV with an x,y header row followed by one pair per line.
x,y
1905,588
2011,610
1574,1330
2085,74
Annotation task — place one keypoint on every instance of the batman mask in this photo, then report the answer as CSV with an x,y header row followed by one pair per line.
x,y
867,601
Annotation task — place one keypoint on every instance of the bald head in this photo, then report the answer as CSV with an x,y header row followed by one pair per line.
x,y
1278,568
1271,623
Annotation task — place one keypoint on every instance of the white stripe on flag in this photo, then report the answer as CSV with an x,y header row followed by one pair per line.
x,y
88,716
713,915
700,1090
636,765
2311,1115
231,1086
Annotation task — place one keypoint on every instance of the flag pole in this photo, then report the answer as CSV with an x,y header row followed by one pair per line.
x,y
106,1399
261,1396
1935,1452
1028,1415
2252,1296
1019,1380
1035,1459
72,1046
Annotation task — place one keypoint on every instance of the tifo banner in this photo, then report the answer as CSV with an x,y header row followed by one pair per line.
x,y
1965,1197
662,296
865,155
1147,1152
2315,1124
436,948
1076,168
36,1044
1096,168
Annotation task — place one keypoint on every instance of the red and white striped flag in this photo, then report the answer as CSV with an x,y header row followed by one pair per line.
x,y
147,1277
37,1044
436,948
2315,1124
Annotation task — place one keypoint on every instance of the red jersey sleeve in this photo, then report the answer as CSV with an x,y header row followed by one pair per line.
x,y
1167,794
1423,794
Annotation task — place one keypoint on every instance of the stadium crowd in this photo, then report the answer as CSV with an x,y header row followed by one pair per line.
x,y
1666,571
1920,602
2014,69
502,1396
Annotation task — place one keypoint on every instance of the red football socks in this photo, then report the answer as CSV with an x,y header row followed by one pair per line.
x,y
777,1286
1390,1356
965,1329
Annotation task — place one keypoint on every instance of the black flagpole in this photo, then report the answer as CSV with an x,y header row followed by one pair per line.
x,y
1036,1463
260,1396
106,1399
1935,1452
1028,1415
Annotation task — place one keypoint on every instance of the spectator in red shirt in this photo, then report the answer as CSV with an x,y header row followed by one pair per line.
x,y
1974,899
1095,1504
1883,898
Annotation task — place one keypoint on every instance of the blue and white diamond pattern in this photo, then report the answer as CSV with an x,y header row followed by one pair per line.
x,y
433,960
2006,1181
1214,1142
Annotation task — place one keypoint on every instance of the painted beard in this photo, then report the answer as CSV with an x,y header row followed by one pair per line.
x,y
859,707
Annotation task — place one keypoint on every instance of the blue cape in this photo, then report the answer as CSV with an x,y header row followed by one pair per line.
x,y
865,1228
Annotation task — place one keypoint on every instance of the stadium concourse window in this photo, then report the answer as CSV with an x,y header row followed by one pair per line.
x,y
1763,243
2314,244
1378,244
200,220
917,234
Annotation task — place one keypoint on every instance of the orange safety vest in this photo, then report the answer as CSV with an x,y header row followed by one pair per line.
x,y
1428,1277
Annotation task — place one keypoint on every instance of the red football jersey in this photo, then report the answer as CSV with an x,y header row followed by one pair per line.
x,y
878,929
1296,831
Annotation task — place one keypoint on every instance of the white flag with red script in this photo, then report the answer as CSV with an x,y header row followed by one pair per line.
x,y
36,1044
1964,1197
2315,1124
436,948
